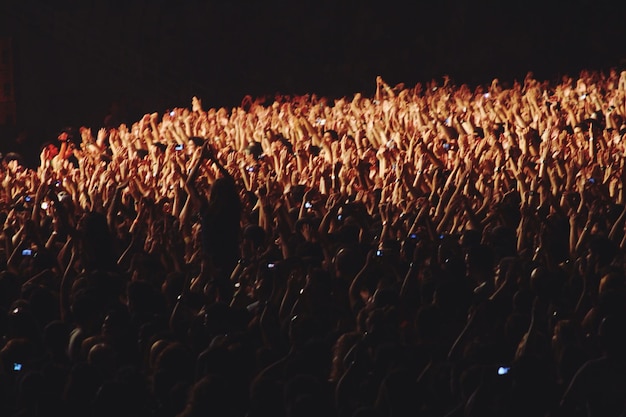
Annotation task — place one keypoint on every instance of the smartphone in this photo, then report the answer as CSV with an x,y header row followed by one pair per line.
x,y
27,198
379,253
250,169
413,236
172,113
340,217
44,205
17,366
503,370
271,265
179,147
591,180
27,252
446,146
308,205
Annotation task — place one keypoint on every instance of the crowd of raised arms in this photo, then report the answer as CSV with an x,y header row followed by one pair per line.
x,y
429,251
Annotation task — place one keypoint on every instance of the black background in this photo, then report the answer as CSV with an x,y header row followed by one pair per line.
x,y
74,59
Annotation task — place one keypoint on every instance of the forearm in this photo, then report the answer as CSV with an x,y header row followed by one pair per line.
x,y
65,289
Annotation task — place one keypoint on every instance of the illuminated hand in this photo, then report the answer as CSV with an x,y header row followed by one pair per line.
x,y
196,104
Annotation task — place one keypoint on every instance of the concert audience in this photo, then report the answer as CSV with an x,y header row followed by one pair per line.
x,y
434,251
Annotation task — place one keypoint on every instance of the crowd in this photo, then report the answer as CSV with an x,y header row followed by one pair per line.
x,y
431,251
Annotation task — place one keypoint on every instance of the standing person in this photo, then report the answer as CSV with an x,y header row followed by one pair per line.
x,y
220,217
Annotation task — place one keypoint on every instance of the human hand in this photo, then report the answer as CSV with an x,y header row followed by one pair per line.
x,y
196,104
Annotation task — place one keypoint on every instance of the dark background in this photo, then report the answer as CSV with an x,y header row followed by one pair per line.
x,y
75,59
